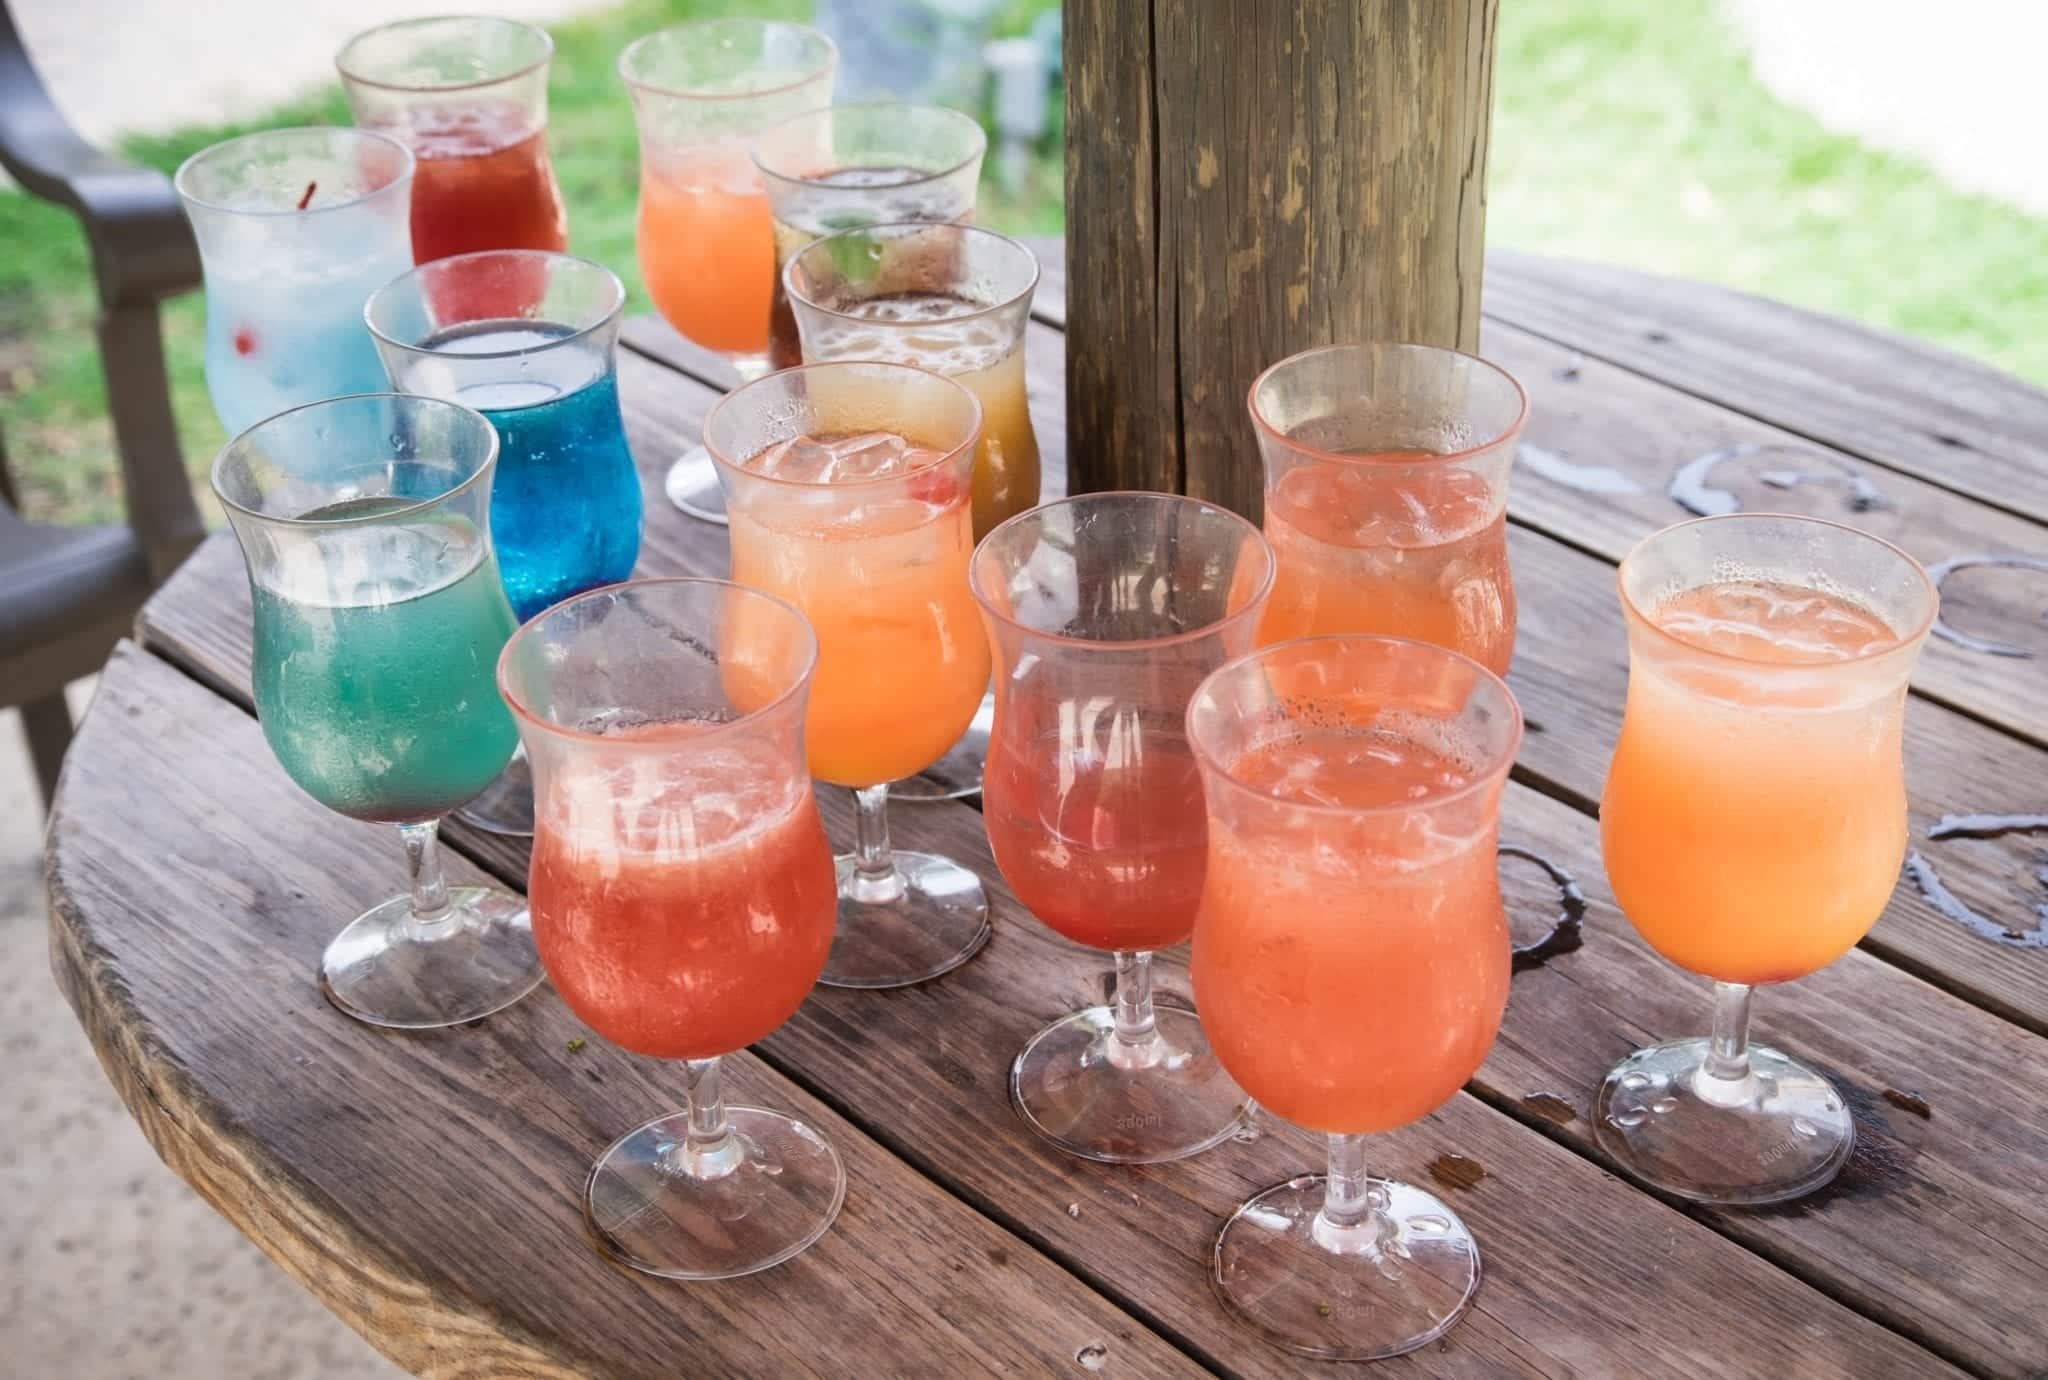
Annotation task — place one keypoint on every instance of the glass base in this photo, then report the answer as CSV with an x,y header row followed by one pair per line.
x,y
1396,1281
506,805
1782,1132
773,1189
1076,1087
692,485
957,775
929,917
388,969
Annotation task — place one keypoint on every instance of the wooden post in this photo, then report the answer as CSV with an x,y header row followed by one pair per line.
x,y
1248,178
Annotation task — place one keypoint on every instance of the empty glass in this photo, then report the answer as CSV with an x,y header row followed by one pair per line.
x,y
1753,824
527,338
1105,613
682,896
296,228
701,92
850,165
954,299
1387,495
469,96
847,494
1351,963
364,522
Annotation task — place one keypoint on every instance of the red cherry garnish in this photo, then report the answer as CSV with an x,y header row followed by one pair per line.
x,y
245,341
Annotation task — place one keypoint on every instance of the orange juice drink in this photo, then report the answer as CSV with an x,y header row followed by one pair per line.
x,y
1755,816
1351,987
880,568
707,246
1392,544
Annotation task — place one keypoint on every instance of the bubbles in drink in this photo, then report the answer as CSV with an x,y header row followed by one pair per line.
x,y
1768,621
1350,769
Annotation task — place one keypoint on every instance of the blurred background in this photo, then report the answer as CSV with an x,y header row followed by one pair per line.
x,y
1879,159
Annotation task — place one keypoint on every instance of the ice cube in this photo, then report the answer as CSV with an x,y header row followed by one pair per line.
x,y
870,455
801,460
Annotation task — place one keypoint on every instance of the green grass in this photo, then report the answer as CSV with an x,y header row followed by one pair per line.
x,y
1625,133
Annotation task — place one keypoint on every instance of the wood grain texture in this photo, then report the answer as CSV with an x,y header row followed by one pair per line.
x,y
1897,402
925,1071
1246,180
1588,414
426,1187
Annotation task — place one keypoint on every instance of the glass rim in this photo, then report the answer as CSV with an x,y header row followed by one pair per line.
x,y
637,84
547,52
1253,606
412,509
525,713
789,271
952,452
611,313
292,134
946,114
1505,434
1641,616
1483,779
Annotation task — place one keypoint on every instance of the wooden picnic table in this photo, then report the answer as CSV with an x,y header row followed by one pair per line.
x,y
426,1187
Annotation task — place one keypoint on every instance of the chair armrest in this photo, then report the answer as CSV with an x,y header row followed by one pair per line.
x,y
142,244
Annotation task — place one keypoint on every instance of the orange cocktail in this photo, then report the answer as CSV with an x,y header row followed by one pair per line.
x,y
1351,961
1386,496
1753,824
707,248
846,487
1717,768
682,897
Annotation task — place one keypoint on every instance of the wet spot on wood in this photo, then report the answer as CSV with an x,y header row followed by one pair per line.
x,y
1567,932
1970,641
1909,1102
1456,1171
1549,1107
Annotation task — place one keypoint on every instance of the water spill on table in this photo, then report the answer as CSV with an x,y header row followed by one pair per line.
x,y
1909,1102
1456,1171
1550,1107
1566,933
1558,468
1691,487
1970,641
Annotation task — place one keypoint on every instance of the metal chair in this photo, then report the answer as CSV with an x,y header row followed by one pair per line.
x,y
68,593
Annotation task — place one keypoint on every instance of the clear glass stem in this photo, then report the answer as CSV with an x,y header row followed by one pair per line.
x,y
1349,1220
423,871
708,1149
1724,1077
875,877
1135,1042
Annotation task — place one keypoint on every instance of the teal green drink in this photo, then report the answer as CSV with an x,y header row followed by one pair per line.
x,y
383,706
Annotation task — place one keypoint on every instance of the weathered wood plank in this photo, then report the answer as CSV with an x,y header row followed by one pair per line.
x,y
426,1187
1895,401
839,1045
1604,444
1245,180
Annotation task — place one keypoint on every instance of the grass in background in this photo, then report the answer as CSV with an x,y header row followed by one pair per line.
x,y
1622,133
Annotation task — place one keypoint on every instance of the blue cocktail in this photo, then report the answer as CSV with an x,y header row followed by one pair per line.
x,y
379,618
527,338
296,227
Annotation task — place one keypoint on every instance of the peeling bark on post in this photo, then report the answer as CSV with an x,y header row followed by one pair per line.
x,y
1246,179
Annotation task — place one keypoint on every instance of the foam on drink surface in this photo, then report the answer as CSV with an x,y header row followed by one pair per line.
x,y
944,332
1767,621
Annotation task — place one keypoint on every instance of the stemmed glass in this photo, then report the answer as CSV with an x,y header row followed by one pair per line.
x,y
954,299
683,897
1351,963
364,523
1106,612
296,228
528,338
846,488
1387,494
1753,824
850,165
701,92
468,94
